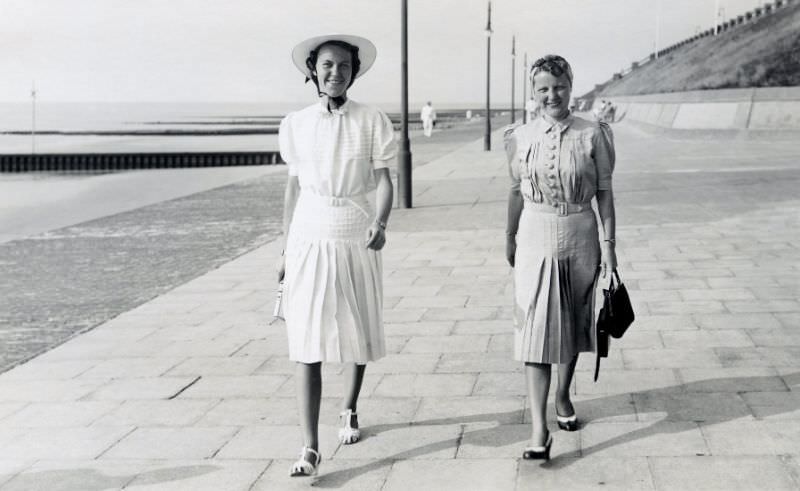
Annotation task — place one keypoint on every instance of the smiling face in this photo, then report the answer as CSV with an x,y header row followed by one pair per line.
x,y
552,94
334,70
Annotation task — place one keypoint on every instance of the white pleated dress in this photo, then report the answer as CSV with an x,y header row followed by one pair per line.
x,y
333,291
558,254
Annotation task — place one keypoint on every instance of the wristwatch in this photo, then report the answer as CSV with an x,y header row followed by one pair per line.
x,y
381,224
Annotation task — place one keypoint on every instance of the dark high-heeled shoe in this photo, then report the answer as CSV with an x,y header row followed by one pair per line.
x,y
567,423
539,453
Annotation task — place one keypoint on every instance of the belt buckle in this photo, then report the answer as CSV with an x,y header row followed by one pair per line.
x,y
562,209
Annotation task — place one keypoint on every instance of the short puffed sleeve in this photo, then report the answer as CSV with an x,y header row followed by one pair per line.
x,y
286,140
511,145
603,155
384,144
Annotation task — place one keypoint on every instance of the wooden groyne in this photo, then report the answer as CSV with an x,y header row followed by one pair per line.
x,y
90,162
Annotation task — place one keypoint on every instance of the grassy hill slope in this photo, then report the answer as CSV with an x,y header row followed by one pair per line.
x,y
762,53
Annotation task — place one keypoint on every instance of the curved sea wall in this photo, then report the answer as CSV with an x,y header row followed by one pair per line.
x,y
768,108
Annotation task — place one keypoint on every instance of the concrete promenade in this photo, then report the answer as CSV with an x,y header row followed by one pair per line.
x,y
193,390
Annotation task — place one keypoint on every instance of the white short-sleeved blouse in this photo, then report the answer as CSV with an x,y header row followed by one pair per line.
x,y
334,153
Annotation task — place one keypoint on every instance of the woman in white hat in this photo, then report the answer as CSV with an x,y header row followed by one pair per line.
x,y
337,151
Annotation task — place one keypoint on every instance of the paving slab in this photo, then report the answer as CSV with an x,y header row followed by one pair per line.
x,y
158,412
75,475
274,442
473,409
205,475
404,442
171,443
61,414
64,443
720,473
762,437
586,473
350,474
658,438
719,406
458,475
421,385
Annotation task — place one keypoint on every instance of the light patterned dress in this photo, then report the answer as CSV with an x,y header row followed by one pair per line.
x,y
333,290
558,168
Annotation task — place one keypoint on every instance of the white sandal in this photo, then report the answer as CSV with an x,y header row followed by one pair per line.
x,y
348,434
303,467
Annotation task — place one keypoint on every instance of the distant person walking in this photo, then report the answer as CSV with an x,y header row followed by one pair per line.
x,y
337,151
428,116
600,110
533,110
609,113
558,164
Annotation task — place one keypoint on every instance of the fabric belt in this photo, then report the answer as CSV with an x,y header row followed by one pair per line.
x,y
560,208
358,201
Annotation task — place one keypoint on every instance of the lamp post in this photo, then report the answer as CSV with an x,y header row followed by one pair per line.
x,y
525,90
513,75
33,118
487,137
404,171
658,26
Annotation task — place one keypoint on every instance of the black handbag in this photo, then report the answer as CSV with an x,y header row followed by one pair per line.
x,y
614,319
617,313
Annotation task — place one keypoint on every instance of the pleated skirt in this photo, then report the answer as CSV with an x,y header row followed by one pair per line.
x,y
333,290
555,274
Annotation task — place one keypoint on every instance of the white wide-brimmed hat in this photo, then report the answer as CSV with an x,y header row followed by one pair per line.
x,y
366,51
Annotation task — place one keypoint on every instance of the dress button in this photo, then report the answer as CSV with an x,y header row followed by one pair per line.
x,y
551,156
555,205
553,136
552,146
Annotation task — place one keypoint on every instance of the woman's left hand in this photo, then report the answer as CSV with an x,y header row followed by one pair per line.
x,y
608,259
376,237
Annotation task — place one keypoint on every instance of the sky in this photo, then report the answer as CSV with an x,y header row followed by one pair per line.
x,y
239,50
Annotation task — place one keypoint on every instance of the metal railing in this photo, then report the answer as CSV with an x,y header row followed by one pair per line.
x,y
105,162
758,12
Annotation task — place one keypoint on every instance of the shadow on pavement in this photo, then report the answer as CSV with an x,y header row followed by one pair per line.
x,y
94,480
487,437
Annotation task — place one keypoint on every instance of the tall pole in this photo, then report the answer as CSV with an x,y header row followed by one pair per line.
x,y
404,179
716,17
525,90
33,117
658,26
487,137
513,75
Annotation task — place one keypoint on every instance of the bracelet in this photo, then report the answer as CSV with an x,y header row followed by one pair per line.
x,y
510,234
381,224
613,241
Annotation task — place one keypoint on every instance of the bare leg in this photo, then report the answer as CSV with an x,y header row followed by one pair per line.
x,y
309,393
538,377
354,376
563,403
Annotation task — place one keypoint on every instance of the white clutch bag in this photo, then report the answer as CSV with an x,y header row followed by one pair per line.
x,y
278,311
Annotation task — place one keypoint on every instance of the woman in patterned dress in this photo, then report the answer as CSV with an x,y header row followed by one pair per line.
x,y
558,164
337,152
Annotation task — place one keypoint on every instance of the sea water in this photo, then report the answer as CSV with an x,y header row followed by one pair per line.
x,y
84,127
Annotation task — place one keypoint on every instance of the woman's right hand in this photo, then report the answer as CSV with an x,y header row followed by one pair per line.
x,y
511,249
280,267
